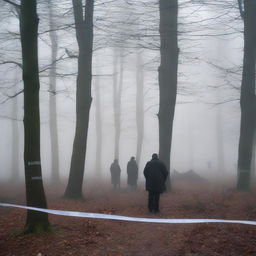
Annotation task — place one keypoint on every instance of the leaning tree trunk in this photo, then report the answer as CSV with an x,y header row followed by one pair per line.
x,y
167,78
52,101
139,106
247,98
36,221
84,35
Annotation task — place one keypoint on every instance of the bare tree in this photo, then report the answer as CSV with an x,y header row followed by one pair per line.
x,y
84,35
15,176
117,95
219,137
247,98
139,105
52,100
167,77
36,221
98,167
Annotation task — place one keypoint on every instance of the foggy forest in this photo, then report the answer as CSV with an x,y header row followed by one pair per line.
x,y
127,127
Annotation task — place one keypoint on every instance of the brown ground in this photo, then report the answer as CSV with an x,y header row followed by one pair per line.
x,y
80,236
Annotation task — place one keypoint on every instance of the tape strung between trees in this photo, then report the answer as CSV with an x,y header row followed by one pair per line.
x,y
126,218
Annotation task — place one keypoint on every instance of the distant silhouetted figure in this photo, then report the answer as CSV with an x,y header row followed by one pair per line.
x,y
115,174
155,173
132,173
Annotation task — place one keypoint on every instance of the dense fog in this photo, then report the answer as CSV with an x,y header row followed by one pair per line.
x,y
207,114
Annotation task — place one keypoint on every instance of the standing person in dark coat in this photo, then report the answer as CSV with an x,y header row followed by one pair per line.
x,y
132,173
155,173
115,171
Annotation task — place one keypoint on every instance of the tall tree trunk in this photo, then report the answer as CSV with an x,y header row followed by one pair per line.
x,y
115,89
221,47
167,78
53,105
139,106
36,221
253,162
191,144
247,98
15,176
98,128
117,94
219,136
84,35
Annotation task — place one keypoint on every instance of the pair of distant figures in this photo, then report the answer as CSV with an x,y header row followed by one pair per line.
x,y
132,174
155,173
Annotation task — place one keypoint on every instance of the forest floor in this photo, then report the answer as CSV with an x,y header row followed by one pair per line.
x,y
81,236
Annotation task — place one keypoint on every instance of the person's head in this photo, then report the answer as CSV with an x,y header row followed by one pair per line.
x,y
132,158
116,161
155,156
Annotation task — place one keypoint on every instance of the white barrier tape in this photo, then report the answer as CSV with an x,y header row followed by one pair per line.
x,y
125,218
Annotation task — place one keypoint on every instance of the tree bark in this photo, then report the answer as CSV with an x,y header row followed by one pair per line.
x,y
84,35
52,102
36,221
253,161
167,78
247,98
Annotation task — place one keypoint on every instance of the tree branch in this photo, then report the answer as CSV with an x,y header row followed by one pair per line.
x,y
12,3
17,6
11,62
12,96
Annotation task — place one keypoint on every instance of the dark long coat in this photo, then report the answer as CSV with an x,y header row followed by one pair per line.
x,y
155,173
115,173
132,172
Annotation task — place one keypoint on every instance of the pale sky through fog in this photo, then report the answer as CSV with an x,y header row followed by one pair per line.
x,y
194,135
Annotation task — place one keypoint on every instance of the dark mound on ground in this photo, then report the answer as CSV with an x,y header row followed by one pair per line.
x,y
189,176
